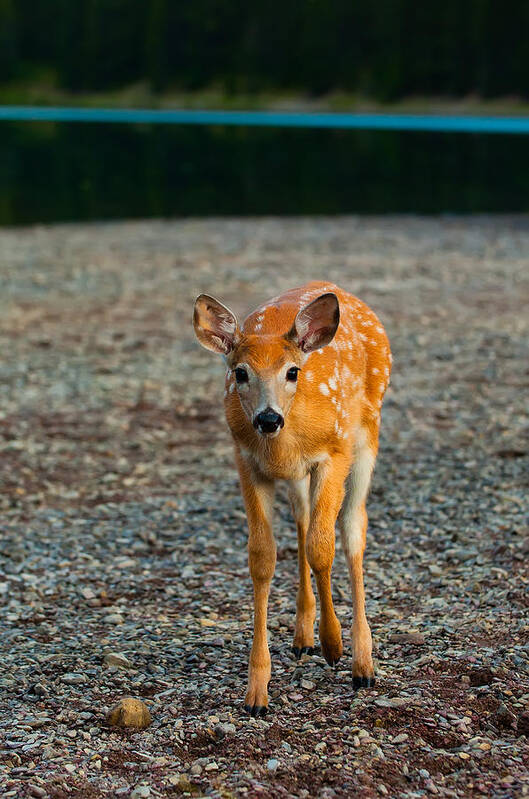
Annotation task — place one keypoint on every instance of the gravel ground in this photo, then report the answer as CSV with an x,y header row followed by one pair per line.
x,y
122,529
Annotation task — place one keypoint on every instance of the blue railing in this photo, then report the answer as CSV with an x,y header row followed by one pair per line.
x,y
284,119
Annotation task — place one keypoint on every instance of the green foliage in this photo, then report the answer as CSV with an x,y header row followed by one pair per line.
x,y
388,49
8,47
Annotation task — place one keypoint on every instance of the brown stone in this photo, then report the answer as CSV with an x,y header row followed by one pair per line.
x,y
129,712
407,638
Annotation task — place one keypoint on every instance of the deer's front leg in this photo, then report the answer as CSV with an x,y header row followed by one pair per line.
x,y
299,492
327,492
258,495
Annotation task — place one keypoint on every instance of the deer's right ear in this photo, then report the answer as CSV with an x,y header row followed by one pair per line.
x,y
316,323
215,325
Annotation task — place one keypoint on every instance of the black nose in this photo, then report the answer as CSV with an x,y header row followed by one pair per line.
x,y
268,421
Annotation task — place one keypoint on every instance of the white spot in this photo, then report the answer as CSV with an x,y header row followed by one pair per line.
x,y
379,329
332,383
390,358
231,388
375,370
308,376
386,371
363,336
382,387
373,342
324,388
320,351
258,326
336,426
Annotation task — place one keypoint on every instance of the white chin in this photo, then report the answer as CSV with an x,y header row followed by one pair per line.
x,y
269,435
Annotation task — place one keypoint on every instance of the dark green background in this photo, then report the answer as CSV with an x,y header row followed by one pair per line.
x,y
52,172
385,49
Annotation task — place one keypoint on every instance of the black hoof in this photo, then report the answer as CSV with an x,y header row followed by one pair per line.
x,y
363,682
332,656
257,711
303,650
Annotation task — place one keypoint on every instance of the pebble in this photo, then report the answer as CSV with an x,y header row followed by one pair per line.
x,y
395,702
129,712
272,764
74,679
113,618
116,659
141,792
36,790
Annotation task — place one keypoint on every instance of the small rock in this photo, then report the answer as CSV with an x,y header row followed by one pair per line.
x,y
38,689
72,678
399,739
221,730
129,712
504,717
272,764
435,570
36,790
523,723
407,638
212,766
397,701
141,792
116,659
113,618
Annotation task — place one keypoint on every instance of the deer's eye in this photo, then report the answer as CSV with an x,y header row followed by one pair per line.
x,y
241,375
292,374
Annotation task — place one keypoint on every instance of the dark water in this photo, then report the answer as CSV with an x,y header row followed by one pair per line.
x,y
56,172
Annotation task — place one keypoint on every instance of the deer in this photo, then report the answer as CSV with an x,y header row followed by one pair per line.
x,y
306,375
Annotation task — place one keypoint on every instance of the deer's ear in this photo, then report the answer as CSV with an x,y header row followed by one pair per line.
x,y
316,323
215,325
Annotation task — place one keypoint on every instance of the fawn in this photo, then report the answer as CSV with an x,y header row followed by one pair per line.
x,y
305,379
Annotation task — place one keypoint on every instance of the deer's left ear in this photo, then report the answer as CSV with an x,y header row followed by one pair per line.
x,y
316,323
215,325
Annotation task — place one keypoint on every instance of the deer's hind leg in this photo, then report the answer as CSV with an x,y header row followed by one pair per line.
x,y
353,526
299,494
